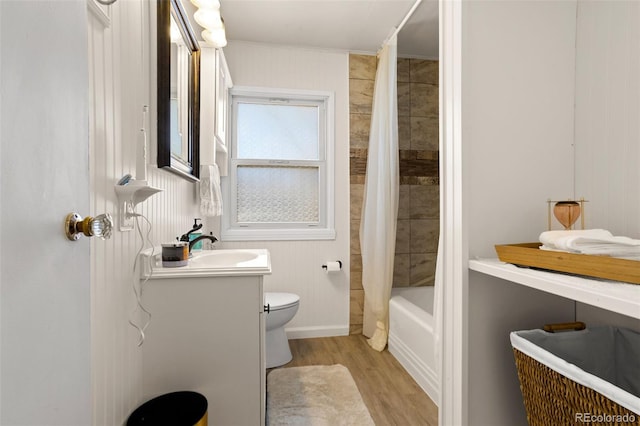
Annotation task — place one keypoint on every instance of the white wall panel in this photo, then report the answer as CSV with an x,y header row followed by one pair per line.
x,y
517,112
119,81
518,117
608,126
608,114
324,298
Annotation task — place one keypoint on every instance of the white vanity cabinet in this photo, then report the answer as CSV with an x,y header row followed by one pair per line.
x,y
207,335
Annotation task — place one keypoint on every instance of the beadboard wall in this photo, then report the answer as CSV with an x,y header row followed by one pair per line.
x,y
119,87
607,124
324,298
607,107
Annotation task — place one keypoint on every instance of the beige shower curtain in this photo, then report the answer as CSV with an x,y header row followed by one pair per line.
x,y
380,204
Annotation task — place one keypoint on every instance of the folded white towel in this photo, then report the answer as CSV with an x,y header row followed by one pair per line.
x,y
612,246
551,238
210,193
591,241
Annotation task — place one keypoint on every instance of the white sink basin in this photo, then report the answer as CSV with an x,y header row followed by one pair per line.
x,y
222,258
218,262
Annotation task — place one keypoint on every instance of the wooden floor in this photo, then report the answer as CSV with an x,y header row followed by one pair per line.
x,y
391,395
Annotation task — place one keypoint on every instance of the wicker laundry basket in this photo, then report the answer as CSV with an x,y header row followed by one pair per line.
x,y
579,377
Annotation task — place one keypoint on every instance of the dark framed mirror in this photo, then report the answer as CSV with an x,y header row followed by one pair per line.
x,y
178,68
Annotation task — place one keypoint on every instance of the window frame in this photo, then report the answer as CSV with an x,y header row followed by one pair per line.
x,y
231,230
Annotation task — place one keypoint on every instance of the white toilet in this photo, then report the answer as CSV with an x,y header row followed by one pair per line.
x,y
281,307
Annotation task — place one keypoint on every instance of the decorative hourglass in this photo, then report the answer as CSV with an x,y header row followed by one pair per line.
x,y
567,212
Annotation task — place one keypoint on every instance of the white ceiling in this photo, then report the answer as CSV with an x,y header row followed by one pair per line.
x,y
353,25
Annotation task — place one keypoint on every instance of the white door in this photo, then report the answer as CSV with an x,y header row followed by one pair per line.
x,y
44,278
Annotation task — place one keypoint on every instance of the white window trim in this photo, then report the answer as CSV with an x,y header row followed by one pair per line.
x,y
228,232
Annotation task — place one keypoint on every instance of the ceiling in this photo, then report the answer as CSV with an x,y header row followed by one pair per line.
x,y
352,25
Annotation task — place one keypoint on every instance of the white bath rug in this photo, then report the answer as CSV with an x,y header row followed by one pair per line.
x,y
316,395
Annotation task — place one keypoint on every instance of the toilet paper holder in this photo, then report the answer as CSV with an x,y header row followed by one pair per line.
x,y
339,263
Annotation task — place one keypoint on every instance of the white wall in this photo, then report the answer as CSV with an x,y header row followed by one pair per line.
x,y
608,114
44,293
324,299
608,126
120,86
517,134
518,117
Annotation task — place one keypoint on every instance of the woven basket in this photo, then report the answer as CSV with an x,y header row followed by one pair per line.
x,y
553,399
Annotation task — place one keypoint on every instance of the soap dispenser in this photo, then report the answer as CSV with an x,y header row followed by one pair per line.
x,y
192,236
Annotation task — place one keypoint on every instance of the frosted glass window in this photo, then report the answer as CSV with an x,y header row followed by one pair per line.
x,y
280,183
272,131
277,194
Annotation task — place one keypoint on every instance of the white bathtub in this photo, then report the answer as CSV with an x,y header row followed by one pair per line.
x,y
411,339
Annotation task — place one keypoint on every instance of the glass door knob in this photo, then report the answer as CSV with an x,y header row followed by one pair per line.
x,y
100,226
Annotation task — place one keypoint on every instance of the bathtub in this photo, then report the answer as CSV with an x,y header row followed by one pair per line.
x,y
411,335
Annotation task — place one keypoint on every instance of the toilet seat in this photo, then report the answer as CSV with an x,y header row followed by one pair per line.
x,y
279,301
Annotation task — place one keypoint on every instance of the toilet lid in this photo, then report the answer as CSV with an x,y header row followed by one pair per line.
x,y
277,301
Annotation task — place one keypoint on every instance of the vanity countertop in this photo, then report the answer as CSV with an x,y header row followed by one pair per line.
x,y
208,263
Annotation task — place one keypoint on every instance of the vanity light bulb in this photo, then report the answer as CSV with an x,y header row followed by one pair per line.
x,y
208,18
206,4
216,37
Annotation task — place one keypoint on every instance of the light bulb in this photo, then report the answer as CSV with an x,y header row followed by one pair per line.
x,y
208,18
207,4
216,37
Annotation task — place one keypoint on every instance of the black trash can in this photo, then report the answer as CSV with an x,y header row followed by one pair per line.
x,y
183,408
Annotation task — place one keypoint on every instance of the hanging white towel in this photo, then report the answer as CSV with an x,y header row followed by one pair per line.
x,y
210,194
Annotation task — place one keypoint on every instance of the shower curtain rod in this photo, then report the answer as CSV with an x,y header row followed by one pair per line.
x,y
404,21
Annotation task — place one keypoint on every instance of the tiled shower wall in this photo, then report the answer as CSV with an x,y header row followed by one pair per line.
x,y
418,212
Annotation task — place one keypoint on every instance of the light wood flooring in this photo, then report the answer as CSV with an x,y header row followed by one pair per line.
x,y
391,395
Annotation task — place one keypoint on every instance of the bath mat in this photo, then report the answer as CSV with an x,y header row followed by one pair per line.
x,y
315,395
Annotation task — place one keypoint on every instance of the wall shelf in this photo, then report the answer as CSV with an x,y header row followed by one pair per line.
x,y
129,195
613,296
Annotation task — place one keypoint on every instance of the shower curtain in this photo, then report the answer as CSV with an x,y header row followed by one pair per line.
x,y
380,204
